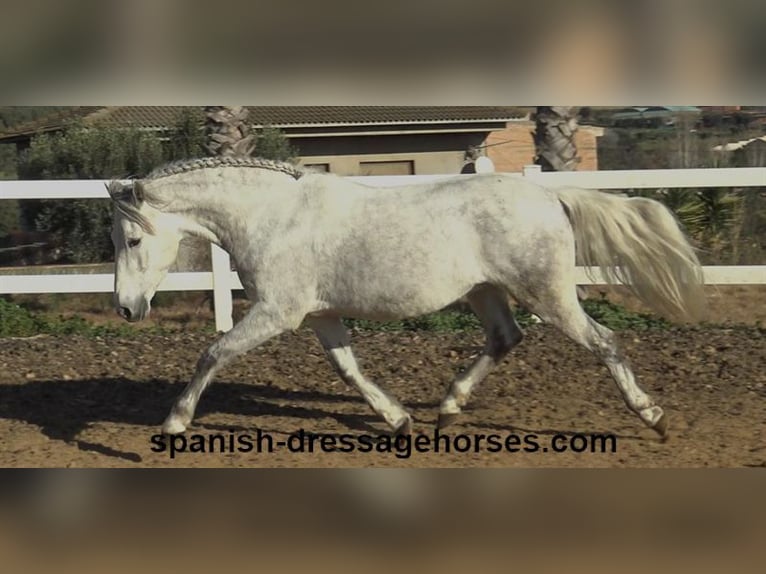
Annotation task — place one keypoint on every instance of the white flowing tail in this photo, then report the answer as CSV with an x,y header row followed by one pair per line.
x,y
638,242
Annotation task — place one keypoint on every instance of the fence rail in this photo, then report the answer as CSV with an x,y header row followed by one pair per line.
x,y
221,280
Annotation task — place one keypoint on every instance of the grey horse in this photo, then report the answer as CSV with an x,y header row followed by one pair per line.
x,y
314,248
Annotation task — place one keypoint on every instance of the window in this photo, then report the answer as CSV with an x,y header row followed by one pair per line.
x,y
318,167
387,168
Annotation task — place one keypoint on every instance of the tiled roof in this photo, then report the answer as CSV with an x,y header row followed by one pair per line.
x,y
360,115
284,116
50,122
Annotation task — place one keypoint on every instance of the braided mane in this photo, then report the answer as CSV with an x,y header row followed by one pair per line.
x,y
188,165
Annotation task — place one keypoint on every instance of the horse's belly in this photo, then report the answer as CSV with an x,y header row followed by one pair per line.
x,y
373,296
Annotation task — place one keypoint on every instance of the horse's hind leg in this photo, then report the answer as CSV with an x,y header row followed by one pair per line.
x,y
565,312
503,333
333,336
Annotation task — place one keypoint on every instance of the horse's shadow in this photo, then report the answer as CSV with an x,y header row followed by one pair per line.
x,y
63,409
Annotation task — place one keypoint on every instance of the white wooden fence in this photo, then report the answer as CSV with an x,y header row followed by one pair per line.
x,y
221,280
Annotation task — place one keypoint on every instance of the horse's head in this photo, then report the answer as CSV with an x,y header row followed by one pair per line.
x,y
145,246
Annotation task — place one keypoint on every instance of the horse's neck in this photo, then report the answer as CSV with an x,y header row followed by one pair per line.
x,y
216,215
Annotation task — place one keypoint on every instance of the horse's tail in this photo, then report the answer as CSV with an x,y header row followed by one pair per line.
x,y
638,242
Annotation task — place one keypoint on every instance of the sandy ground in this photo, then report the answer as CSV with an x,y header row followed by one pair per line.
x,y
79,402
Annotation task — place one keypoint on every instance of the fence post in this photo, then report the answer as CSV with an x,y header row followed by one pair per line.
x,y
532,170
222,288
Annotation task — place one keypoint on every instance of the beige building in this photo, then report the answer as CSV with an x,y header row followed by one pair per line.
x,y
514,147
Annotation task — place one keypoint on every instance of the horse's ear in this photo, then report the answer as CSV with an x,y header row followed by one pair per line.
x,y
138,192
115,190
133,194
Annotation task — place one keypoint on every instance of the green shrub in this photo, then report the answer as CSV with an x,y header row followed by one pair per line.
x,y
609,314
615,317
15,321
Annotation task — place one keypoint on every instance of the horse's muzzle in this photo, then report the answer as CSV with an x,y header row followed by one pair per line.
x,y
132,315
125,313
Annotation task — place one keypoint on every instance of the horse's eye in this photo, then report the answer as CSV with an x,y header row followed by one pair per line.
x,y
134,242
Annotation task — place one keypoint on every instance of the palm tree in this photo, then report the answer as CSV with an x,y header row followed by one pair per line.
x,y
713,217
555,147
555,130
227,131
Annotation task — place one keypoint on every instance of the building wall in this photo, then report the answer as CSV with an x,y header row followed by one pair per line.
x,y
424,163
430,154
513,148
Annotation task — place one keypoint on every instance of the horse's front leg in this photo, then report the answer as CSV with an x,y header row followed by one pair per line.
x,y
260,324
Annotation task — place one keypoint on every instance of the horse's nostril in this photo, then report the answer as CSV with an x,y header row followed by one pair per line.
x,y
125,313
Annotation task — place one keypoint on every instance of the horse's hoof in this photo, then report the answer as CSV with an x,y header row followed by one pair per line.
x,y
173,426
404,428
661,427
447,419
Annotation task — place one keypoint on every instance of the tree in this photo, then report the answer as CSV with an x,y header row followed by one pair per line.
x,y
556,150
81,227
227,131
9,216
711,216
272,144
12,116
186,139
555,130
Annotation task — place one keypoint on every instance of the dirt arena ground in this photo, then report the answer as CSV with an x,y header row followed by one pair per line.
x,y
85,402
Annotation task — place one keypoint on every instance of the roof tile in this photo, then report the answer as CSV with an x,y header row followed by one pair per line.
x,y
285,116
158,117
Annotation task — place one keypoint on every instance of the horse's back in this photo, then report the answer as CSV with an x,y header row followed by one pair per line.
x,y
503,192
429,244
